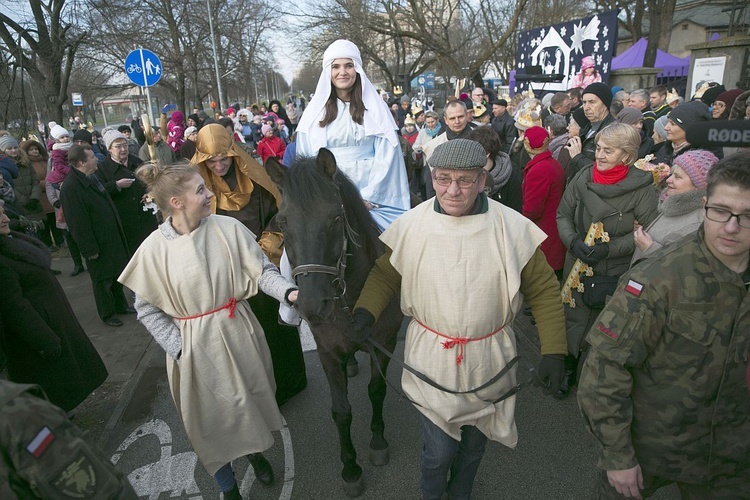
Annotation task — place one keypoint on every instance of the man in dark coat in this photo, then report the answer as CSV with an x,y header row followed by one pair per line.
x,y
504,124
597,98
117,173
96,228
40,335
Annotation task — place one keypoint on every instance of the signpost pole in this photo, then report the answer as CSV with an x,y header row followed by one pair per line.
x,y
148,106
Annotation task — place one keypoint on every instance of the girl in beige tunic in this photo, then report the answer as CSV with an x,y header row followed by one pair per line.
x,y
192,277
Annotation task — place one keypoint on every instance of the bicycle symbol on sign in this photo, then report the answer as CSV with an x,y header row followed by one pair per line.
x,y
134,68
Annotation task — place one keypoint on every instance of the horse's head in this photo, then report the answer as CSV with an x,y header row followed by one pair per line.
x,y
320,217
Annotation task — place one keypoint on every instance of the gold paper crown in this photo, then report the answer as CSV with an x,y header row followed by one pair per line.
x,y
479,110
528,114
416,109
409,120
672,96
398,90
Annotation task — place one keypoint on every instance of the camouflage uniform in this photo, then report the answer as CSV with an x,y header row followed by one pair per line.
x,y
45,456
664,383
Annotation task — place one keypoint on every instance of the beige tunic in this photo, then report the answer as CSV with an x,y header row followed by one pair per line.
x,y
461,277
223,386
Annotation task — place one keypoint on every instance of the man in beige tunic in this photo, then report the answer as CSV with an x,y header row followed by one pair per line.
x,y
464,265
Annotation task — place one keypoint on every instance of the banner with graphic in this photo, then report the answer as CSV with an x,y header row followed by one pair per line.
x,y
560,49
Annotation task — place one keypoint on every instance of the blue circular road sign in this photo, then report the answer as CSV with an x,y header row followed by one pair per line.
x,y
143,67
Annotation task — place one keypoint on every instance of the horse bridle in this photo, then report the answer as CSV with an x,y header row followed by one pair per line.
x,y
338,282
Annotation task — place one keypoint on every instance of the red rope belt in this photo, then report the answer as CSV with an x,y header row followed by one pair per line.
x,y
457,341
229,305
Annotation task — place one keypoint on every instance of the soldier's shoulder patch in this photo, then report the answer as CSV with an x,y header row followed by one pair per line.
x,y
77,479
41,442
634,288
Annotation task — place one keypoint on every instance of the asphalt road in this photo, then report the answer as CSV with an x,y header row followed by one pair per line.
x,y
133,418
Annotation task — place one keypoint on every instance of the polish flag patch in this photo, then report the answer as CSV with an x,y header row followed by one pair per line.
x,y
41,442
634,288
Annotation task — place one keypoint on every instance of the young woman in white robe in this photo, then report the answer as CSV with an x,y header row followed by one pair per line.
x,y
191,278
347,116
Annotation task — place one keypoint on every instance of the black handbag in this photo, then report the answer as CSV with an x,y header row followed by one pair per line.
x,y
596,289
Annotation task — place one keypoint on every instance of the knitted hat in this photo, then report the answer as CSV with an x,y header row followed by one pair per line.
x,y
689,112
729,97
83,135
629,116
580,117
405,99
111,136
189,131
696,164
710,95
6,142
265,129
586,63
459,154
194,117
231,111
57,132
660,126
601,91
51,125
535,140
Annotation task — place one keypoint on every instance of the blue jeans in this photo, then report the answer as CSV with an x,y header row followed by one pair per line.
x,y
441,454
225,477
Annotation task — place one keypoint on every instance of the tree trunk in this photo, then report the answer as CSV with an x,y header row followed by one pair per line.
x,y
660,13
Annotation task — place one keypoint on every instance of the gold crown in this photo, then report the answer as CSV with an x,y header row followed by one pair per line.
x,y
672,96
398,90
416,109
479,110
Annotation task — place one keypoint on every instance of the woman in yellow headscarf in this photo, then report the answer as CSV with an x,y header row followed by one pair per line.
x,y
243,190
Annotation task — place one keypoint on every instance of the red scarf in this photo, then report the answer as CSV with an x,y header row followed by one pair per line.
x,y
611,176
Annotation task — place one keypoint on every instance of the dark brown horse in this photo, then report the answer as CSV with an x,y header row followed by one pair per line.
x,y
332,243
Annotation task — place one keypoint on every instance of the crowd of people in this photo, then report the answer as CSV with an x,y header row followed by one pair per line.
x,y
627,245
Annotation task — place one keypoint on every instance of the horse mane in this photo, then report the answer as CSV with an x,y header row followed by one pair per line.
x,y
307,182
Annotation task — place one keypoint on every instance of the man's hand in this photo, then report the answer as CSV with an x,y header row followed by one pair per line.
x,y
362,322
550,372
574,146
628,482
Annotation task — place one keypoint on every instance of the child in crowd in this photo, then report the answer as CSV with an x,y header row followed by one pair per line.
x,y
59,156
270,145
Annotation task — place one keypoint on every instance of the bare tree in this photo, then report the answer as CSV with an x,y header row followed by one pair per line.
x,y
46,47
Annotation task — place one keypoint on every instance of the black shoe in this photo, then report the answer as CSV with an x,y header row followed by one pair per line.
x,y
262,468
113,321
77,270
55,271
127,310
233,494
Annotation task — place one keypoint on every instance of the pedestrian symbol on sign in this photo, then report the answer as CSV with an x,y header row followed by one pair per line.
x,y
143,67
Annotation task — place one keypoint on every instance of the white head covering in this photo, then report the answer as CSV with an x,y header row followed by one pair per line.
x,y
378,120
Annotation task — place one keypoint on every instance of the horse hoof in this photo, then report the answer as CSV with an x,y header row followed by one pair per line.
x,y
352,369
355,488
378,458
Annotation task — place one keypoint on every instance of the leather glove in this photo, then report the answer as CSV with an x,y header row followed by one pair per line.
x,y
580,249
550,372
33,205
167,108
51,354
361,329
597,253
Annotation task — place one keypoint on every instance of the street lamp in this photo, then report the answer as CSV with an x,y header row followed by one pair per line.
x,y
216,59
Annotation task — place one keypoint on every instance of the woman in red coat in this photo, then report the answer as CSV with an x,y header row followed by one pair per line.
x,y
543,185
270,145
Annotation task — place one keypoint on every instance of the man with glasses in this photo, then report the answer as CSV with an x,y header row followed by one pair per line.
x,y
463,305
664,388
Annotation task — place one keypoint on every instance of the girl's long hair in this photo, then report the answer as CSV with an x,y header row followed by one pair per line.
x,y
356,104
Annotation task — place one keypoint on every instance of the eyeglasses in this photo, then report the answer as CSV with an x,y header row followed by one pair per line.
x,y
719,104
119,146
720,215
462,182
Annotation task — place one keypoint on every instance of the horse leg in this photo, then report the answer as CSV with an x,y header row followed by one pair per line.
x,y
376,389
352,366
341,411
